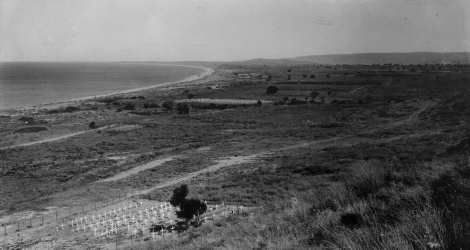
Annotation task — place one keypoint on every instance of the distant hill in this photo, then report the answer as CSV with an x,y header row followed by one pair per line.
x,y
383,58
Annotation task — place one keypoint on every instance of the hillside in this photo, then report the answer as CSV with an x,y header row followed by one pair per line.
x,y
384,58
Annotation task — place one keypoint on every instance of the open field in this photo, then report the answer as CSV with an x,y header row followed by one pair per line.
x,y
302,163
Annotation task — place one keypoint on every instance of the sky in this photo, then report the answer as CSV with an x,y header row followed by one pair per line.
x,y
226,30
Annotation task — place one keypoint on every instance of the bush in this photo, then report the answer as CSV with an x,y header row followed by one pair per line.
x,y
182,108
271,90
71,109
314,94
129,106
312,76
168,105
190,95
351,220
92,125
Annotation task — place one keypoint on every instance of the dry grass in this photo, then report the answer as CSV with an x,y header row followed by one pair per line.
x,y
400,211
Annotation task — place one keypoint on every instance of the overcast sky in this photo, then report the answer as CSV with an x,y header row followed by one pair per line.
x,y
224,30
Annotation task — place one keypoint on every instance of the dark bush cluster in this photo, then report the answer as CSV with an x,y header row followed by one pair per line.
x,y
271,90
182,108
129,106
150,105
168,105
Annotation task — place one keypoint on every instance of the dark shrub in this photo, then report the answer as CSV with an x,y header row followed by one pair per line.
x,y
92,125
190,95
168,105
71,109
129,106
360,101
271,90
182,108
351,220
312,76
146,105
314,94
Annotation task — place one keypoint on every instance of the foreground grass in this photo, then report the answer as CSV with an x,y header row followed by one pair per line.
x,y
384,205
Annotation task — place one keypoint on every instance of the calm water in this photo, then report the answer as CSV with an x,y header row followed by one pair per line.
x,y
27,84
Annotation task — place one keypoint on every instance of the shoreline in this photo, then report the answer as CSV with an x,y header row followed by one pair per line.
x,y
207,72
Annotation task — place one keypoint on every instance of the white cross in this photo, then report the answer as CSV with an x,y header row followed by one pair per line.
x,y
93,217
145,221
135,232
146,211
105,214
143,230
62,226
99,216
241,208
78,229
125,220
94,229
215,206
163,231
114,211
86,218
172,227
124,208
153,235
118,222
119,209
154,219
103,234
133,219
84,228
141,203
81,220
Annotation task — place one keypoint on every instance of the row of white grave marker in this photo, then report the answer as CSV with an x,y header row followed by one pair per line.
x,y
111,223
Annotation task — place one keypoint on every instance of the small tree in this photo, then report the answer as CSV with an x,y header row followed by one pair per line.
x,y
328,76
271,90
92,125
190,96
285,99
179,195
190,208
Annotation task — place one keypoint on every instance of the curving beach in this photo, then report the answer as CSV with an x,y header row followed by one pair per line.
x,y
111,83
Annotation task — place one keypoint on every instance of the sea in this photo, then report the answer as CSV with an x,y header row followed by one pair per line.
x,y
24,84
